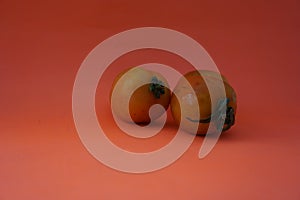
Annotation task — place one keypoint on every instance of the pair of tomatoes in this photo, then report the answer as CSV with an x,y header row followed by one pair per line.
x,y
194,105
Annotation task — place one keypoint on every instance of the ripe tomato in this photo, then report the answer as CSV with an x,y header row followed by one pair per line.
x,y
191,95
143,88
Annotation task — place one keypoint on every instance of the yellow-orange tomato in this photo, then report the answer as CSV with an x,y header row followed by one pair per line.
x,y
191,103
143,89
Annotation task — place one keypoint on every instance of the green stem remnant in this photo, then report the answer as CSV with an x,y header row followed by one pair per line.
x,y
217,116
157,87
230,118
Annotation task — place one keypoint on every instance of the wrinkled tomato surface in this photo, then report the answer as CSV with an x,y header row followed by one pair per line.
x,y
192,102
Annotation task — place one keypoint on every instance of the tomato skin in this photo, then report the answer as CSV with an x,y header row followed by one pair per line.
x,y
197,97
206,73
134,84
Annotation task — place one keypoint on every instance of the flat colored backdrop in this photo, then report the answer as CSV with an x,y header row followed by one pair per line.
x,y
256,46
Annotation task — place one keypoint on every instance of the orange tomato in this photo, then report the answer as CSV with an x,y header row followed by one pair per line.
x,y
191,103
142,89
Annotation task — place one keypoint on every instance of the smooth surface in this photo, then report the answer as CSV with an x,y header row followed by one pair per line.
x,y
42,44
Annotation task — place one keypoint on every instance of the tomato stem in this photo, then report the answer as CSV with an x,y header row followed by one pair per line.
x,y
156,87
229,116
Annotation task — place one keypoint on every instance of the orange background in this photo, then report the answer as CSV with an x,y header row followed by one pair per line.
x,y
256,46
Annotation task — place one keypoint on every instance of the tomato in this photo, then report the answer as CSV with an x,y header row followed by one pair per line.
x,y
143,88
191,96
